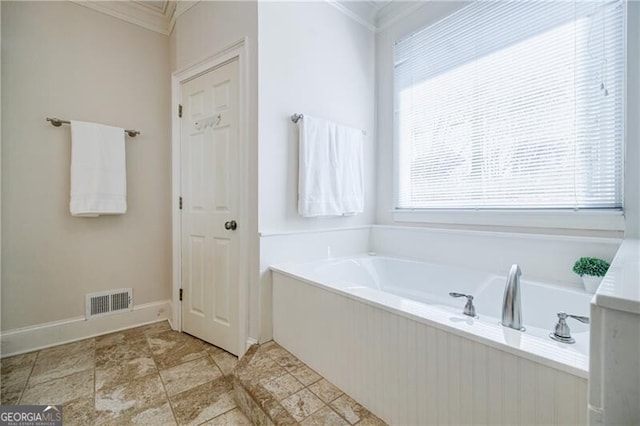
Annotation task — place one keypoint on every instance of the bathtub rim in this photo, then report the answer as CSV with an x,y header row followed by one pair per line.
x,y
538,356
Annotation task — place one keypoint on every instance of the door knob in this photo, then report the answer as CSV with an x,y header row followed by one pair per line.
x,y
232,225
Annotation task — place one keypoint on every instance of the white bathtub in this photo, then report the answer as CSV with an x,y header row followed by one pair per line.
x,y
387,332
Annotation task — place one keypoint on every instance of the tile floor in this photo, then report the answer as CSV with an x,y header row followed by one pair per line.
x,y
274,387
146,375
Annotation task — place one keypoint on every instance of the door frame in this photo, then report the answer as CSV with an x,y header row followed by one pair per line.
x,y
237,50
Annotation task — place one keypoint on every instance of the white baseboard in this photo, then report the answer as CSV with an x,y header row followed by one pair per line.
x,y
27,339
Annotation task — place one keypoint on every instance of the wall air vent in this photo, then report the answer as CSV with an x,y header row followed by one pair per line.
x,y
108,302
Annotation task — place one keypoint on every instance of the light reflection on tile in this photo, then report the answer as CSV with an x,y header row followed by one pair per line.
x,y
115,354
112,375
125,400
171,348
204,402
189,375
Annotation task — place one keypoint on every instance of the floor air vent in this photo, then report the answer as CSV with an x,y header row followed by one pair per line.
x,y
109,302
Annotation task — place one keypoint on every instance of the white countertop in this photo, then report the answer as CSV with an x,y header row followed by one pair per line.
x,y
620,288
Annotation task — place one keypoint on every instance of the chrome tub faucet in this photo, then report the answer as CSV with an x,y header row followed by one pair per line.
x,y
511,306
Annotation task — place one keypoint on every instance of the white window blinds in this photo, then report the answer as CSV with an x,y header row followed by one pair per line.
x,y
512,105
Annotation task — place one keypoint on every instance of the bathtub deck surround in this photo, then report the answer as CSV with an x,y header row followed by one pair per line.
x,y
421,291
144,375
412,356
615,342
273,387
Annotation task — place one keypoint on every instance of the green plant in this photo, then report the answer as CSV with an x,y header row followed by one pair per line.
x,y
591,266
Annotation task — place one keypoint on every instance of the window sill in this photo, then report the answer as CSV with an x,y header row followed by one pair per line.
x,y
561,219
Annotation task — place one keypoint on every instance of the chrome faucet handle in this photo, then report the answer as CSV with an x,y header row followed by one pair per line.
x,y
562,332
469,309
576,317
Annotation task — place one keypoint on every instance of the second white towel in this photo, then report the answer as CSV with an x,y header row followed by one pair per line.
x,y
98,170
331,175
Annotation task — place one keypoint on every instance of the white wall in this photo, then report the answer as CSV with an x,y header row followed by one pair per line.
x,y
546,258
202,31
313,60
61,59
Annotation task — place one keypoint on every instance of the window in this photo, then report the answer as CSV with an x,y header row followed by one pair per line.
x,y
512,105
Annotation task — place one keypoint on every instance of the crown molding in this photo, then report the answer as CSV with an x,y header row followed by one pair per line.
x,y
177,9
359,17
377,15
394,11
171,15
139,14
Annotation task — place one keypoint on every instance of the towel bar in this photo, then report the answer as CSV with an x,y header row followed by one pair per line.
x,y
297,117
56,122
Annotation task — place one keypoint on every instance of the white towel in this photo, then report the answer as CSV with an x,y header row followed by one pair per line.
x,y
350,155
330,176
98,173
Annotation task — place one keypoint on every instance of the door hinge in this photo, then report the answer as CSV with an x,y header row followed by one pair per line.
x,y
180,202
181,295
180,110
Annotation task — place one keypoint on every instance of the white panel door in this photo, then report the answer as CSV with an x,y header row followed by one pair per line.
x,y
210,202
